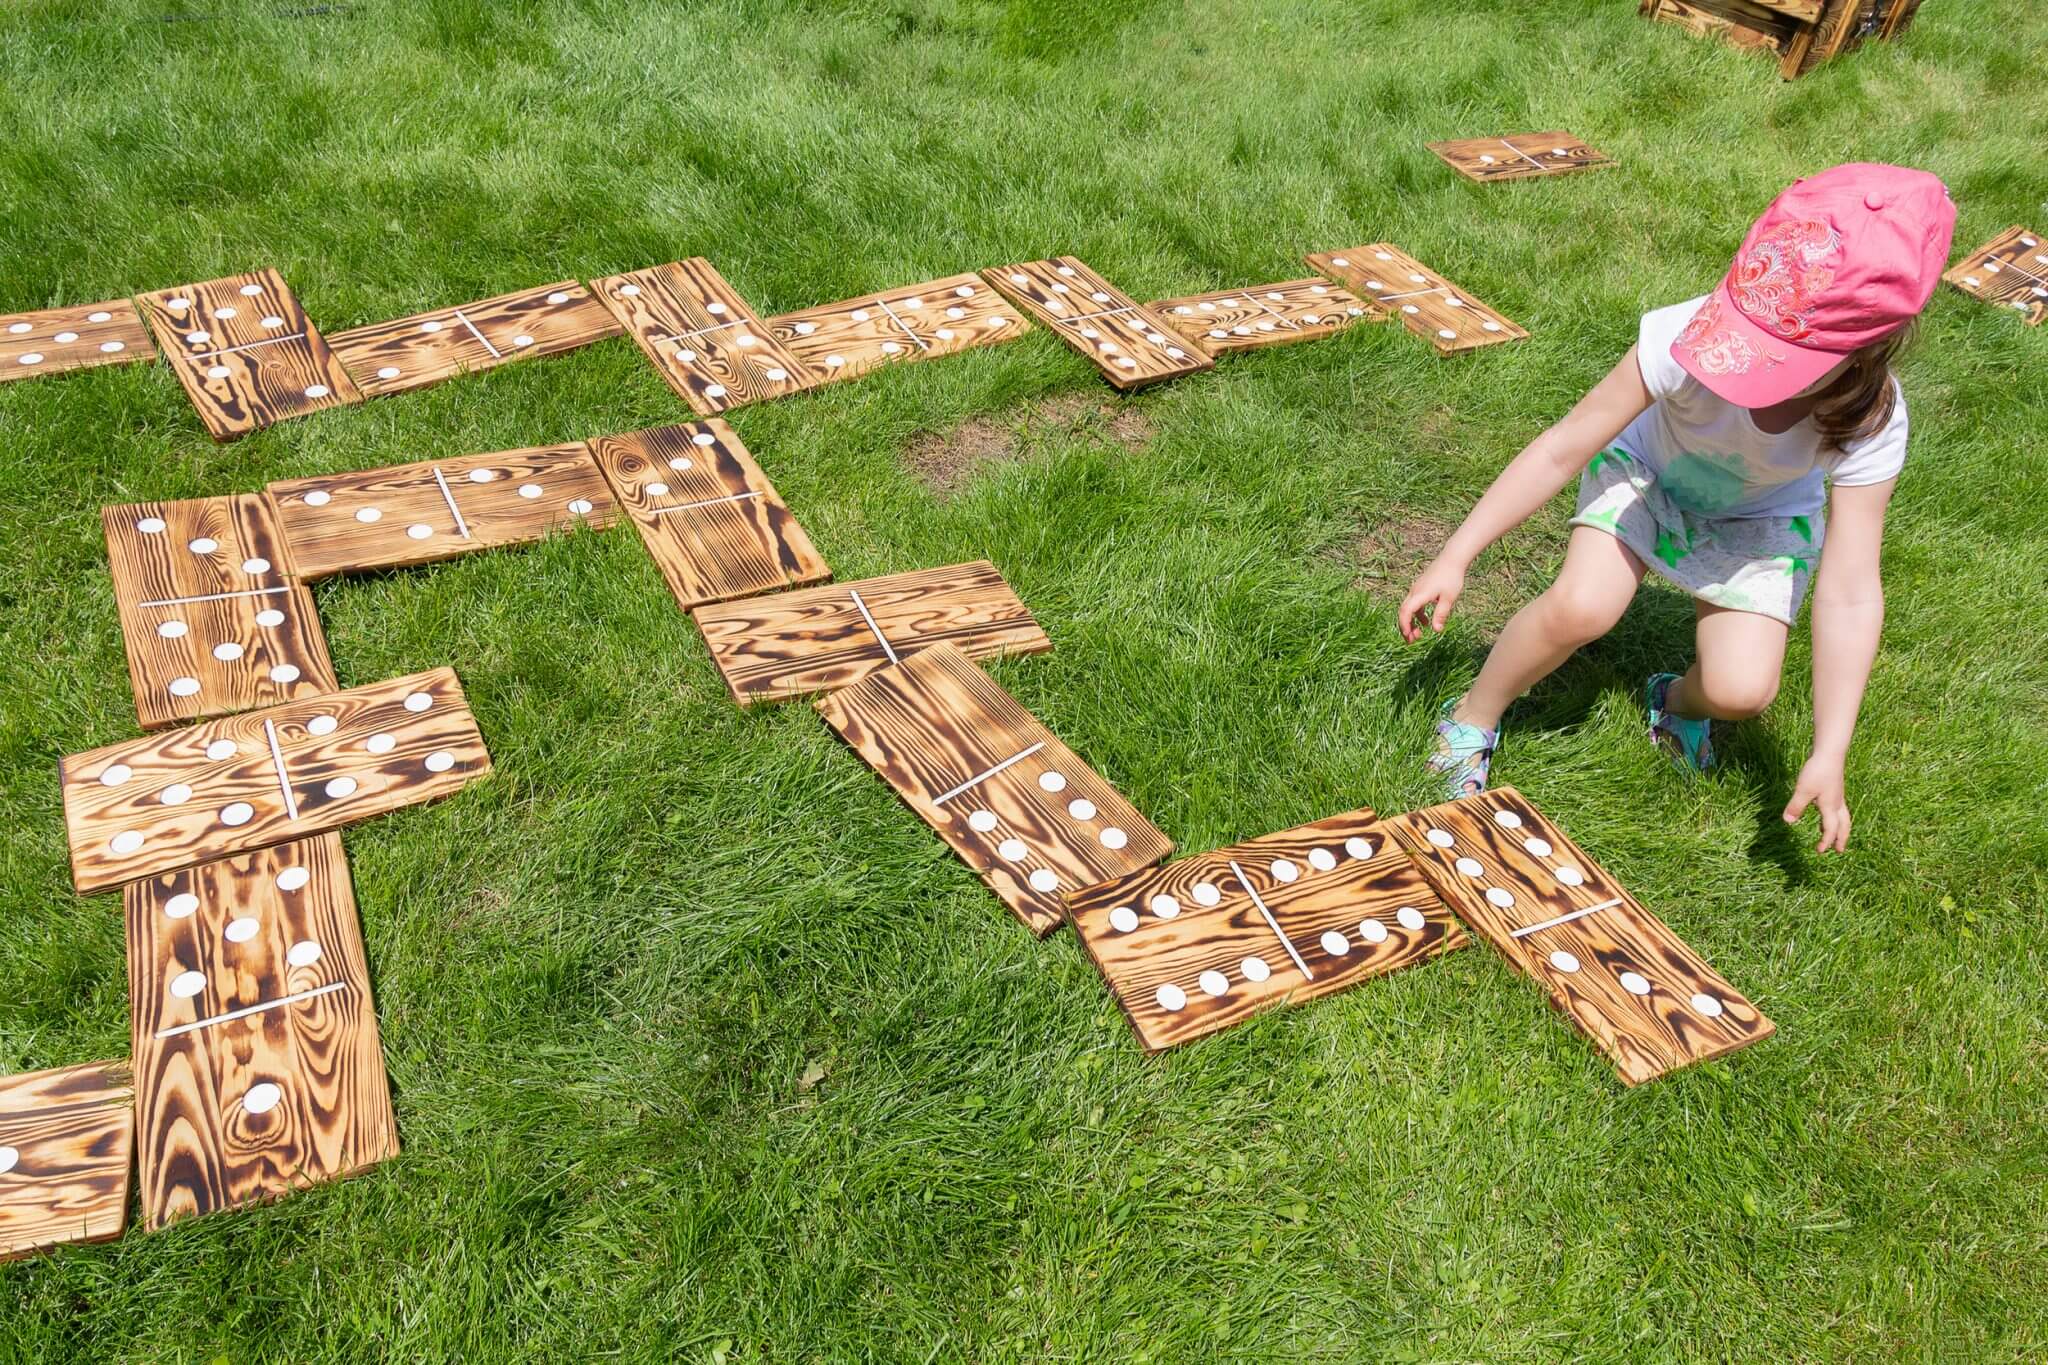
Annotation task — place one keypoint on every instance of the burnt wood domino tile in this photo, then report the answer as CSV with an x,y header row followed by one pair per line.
x,y
1395,284
917,322
426,348
713,522
66,1140
149,806
1645,999
1226,320
702,336
817,639
258,1068
1030,818
1204,943
1519,156
212,616
2010,271
438,509
53,340
246,352
1130,343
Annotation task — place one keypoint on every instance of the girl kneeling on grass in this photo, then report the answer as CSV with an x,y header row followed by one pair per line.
x,y
1707,452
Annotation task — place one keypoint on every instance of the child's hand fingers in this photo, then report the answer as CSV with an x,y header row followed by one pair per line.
x,y
1801,799
1834,829
1410,605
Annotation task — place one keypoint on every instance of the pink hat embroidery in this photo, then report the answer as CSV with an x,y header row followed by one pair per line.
x,y
1839,260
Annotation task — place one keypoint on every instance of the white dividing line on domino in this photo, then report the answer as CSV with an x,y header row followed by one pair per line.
x,y
212,597
1388,298
1564,919
248,346
1090,317
922,344
701,331
985,775
463,318
869,617
707,502
1271,923
1524,155
284,783
248,1010
448,496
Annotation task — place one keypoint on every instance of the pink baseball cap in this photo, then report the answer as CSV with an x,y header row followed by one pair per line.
x,y
1839,260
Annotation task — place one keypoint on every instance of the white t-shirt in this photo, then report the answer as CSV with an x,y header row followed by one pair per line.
x,y
1710,457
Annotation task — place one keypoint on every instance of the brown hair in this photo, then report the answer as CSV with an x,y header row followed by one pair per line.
x,y
1859,403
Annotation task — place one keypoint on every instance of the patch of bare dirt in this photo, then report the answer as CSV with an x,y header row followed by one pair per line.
x,y
1385,559
947,460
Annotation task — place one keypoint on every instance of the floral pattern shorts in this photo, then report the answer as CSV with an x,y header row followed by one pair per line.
x,y
1759,564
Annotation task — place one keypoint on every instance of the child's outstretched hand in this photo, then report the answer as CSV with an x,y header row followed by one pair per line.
x,y
1436,587
1821,784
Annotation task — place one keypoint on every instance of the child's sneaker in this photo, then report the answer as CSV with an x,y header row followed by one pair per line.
x,y
1687,743
1464,753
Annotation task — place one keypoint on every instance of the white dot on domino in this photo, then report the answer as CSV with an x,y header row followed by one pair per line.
x,y
126,842
171,630
981,821
181,905
1123,919
185,985
220,750
1213,983
114,774
203,545
293,878
1166,907
419,701
261,1098
1358,847
227,651
440,761
1013,850
1284,871
1410,918
580,506
1052,781
1335,944
1440,838
534,490
366,515
1207,893
657,489
285,673
1538,847
1372,931
1255,969
1707,1006
1570,876
558,297
1470,867
241,929
1635,983
1113,838
340,787
1321,859
1564,961
381,743
1171,998
183,687
1500,897
1045,880
270,616
1081,808
316,390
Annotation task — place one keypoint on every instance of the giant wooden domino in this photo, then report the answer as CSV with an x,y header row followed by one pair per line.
x,y
53,340
149,806
1198,945
917,322
1130,343
1226,320
65,1142
1395,284
257,1064
1031,819
702,336
211,615
817,639
1645,999
426,348
1519,156
716,527
2010,270
437,509
245,352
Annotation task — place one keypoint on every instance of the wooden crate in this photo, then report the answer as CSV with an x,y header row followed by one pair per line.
x,y
1802,33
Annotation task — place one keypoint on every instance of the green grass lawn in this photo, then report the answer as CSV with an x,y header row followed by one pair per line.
x,y
702,1047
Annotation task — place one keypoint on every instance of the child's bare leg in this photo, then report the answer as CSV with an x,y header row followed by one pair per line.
x,y
1594,588
1736,675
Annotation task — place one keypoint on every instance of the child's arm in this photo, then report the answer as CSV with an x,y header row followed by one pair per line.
x,y
1848,617
1531,479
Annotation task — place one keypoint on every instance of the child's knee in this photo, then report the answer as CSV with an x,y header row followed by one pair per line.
x,y
1579,614
1735,693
